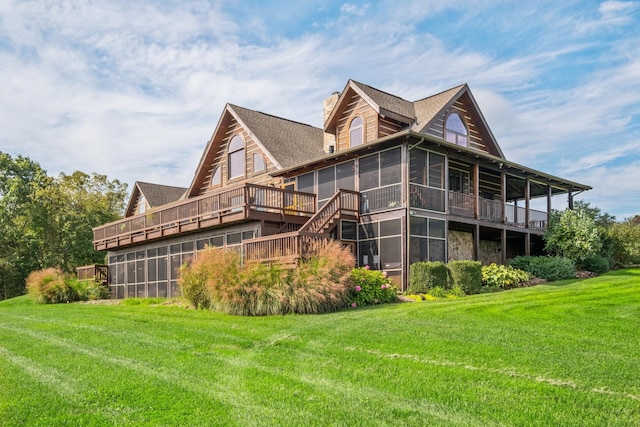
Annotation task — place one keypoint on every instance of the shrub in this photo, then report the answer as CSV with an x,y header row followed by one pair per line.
x,y
320,284
546,267
371,287
426,275
49,286
503,276
193,279
466,275
87,290
596,264
438,292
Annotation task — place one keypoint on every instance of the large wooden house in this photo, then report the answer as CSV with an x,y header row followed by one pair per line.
x,y
399,181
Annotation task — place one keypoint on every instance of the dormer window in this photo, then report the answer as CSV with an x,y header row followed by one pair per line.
x,y
258,163
235,157
455,130
356,132
216,178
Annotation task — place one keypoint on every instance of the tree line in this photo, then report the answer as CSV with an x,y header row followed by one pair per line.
x,y
47,221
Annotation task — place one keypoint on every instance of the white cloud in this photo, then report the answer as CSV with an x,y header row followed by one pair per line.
x,y
134,90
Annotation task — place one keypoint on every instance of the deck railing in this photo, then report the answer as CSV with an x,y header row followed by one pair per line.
x,y
97,272
428,198
462,204
379,199
204,211
343,202
289,247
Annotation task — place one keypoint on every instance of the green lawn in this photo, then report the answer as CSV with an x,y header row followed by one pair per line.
x,y
561,354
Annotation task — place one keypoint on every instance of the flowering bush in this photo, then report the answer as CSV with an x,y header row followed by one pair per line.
x,y
371,287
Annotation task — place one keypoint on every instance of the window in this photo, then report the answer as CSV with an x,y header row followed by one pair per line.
x,y
455,130
258,163
427,239
356,132
215,176
236,157
142,205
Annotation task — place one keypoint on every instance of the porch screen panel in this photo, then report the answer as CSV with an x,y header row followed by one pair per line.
x,y
390,167
345,176
427,239
326,184
368,173
306,183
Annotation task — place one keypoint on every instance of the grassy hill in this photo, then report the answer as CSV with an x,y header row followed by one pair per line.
x,y
567,353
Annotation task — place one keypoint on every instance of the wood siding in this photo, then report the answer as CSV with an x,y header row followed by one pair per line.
x,y
387,126
220,160
475,139
357,107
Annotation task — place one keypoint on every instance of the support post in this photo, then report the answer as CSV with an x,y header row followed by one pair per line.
x,y
476,191
503,246
527,197
476,242
503,196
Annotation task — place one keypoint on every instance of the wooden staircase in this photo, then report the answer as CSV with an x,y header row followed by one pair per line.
x,y
289,247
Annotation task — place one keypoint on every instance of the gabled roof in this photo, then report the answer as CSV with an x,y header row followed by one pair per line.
x,y
383,103
387,101
155,194
430,108
288,142
284,141
427,108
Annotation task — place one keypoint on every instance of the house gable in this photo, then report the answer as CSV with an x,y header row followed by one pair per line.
x,y
269,141
432,112
381,113
152,195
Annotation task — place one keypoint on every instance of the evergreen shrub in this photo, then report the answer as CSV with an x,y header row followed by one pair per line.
x,y
467,275
551,268
425,275
596,264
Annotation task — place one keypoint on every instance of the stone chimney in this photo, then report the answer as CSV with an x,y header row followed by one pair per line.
x,y
330,138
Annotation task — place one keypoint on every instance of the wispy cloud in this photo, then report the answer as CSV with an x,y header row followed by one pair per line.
x,y
134,89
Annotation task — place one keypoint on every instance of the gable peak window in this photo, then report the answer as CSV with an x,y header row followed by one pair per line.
x,y
235,157
142,205
356,132
455,130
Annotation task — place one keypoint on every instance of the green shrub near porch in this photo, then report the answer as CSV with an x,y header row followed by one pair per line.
x,y
426,275
466,275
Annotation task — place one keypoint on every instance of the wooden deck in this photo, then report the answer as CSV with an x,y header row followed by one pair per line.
x,y
96,272
288,248
249,201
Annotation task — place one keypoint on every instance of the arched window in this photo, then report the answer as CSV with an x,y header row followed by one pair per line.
x,y
258,163
216,179
235,157
455,130
356,132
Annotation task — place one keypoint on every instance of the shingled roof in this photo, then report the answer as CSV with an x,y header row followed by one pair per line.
x,y
289,142
388,101
427,108
156,195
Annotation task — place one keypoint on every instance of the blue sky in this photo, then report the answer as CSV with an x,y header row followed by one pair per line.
x,y
134,89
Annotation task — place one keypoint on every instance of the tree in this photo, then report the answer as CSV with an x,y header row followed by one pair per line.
x,y
20,178
626,242
572,234
47,222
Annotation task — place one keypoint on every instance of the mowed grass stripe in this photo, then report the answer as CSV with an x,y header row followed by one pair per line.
x,y
560,354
